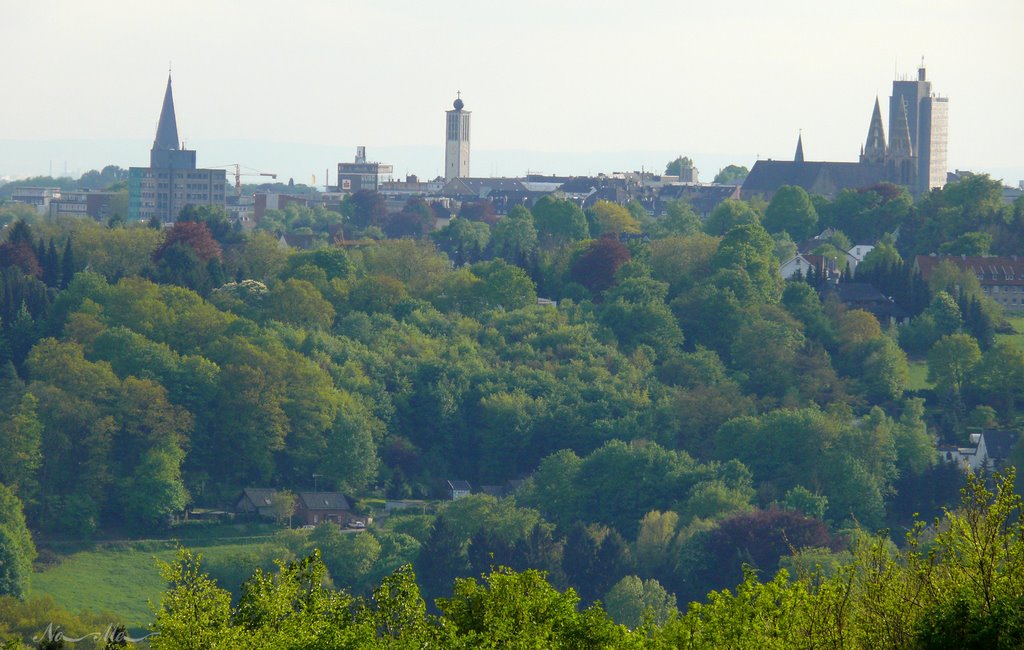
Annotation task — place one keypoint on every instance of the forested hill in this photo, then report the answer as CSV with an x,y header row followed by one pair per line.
x,y
678,411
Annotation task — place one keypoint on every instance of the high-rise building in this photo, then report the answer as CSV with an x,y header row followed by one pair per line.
x,y
456,151
172,180
927,121
362,175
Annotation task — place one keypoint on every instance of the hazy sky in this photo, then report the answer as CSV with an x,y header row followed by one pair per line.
x,y
579,83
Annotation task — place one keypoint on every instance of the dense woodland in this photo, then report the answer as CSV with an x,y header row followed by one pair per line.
x,y
682,412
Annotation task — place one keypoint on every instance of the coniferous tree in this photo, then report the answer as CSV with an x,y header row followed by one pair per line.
x,y
51,266
442,558
67,265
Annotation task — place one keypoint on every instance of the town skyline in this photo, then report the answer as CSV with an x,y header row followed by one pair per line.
x,y
608,97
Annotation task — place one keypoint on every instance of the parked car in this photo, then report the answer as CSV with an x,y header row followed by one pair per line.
x,y
355,524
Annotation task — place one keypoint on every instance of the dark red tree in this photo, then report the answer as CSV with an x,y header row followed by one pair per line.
x,y
20,254
595,268
192,234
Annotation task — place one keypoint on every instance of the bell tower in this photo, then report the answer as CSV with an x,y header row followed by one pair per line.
x,y
456,150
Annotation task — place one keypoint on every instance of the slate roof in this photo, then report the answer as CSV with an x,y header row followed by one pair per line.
x,y
481,187
460,486
304,241
324,501
824,178
998,444
859,292
167,129
608,193
497,491
581,185
861,295
703,198
260,497
988,269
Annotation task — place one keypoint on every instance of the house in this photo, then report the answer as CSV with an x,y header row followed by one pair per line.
x,y
257,502
855,255
457,489
303,241
702,198
802,264
861,295
1001,278
316,507
989,450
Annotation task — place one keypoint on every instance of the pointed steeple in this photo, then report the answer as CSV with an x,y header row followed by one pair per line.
x,y
874,149
900,144
167,130
799,157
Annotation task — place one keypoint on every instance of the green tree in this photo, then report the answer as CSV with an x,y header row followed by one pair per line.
x,y
442,558
632,602
193,613
886,372
154,490
803,500
465,241
951,361
21,446
514,238
1000,375
559,221
654,549
749,248
728,214
674,167
791,211
16,548
679,219
522,610
504,286
731,175
298,302
612,218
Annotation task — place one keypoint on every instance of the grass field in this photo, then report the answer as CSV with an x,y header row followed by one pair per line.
x,y
121,579
918,376
1016,339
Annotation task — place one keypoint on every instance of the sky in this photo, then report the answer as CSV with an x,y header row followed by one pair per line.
x,y
554,86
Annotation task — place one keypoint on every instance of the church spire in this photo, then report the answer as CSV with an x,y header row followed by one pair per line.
x,y
167,130
900,144
799,157
874,148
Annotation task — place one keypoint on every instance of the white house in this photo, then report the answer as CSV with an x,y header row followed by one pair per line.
x,y
988,452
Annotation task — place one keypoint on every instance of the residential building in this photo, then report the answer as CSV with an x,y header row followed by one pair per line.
x,y
1001,278
988,451
457,489
172,179
257,501
456,149
864,296
317,507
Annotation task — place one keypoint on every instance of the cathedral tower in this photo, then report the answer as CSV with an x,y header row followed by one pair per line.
x,y
874,147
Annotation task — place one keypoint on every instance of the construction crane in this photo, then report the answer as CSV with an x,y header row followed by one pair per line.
x,y
239,174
